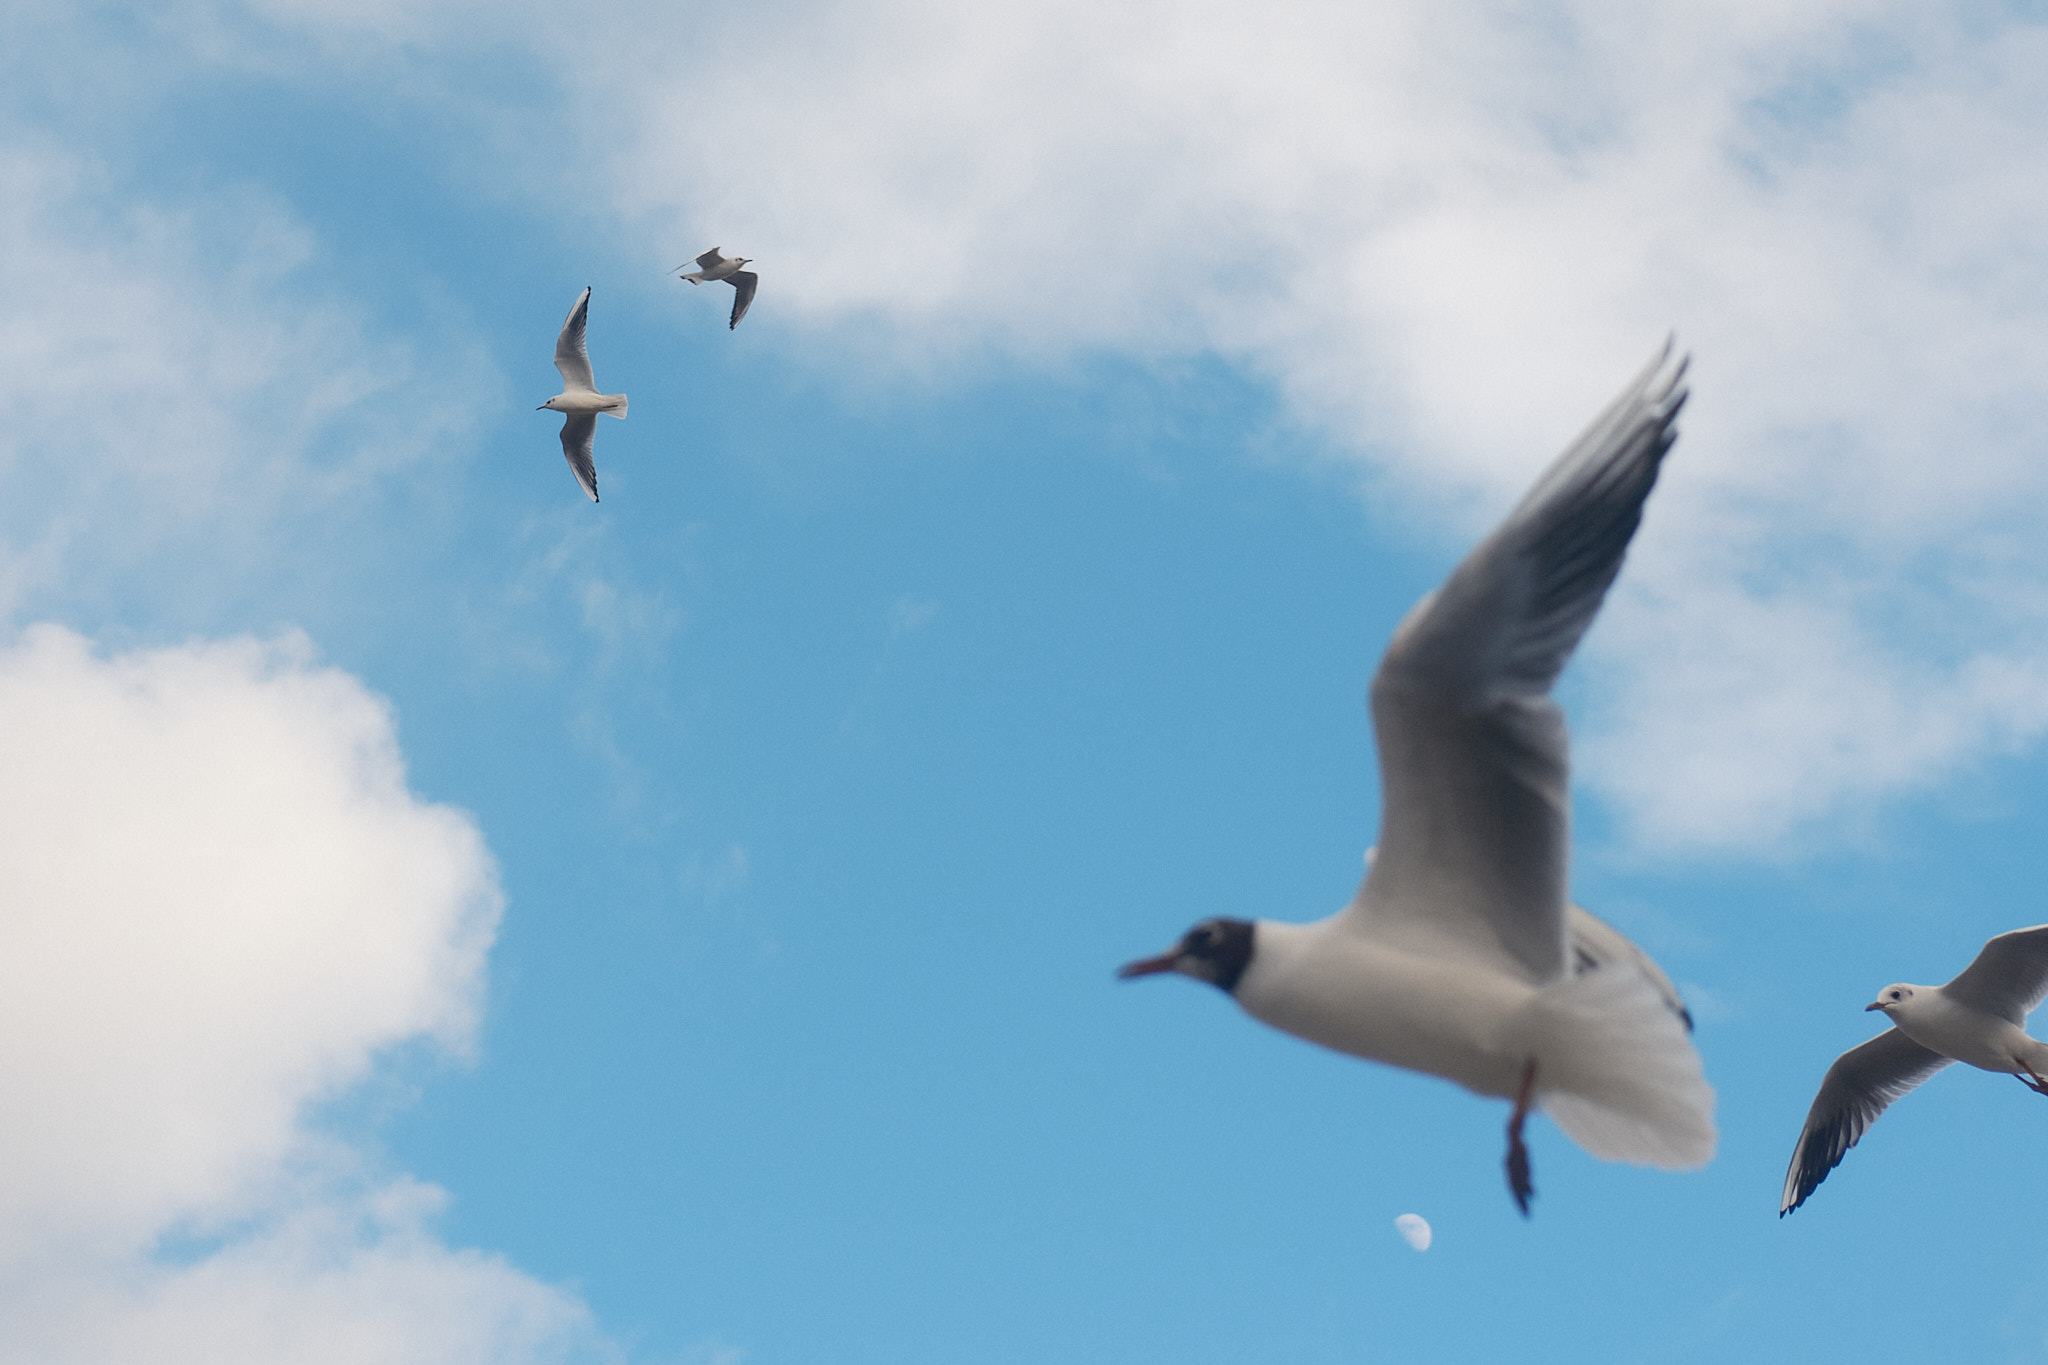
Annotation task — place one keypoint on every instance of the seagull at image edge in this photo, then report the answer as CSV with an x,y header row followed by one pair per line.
x,y
579,397
712,267
1461,954
1979,1018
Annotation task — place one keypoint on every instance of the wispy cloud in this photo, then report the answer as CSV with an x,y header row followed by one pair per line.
x,y
192,409
1444,233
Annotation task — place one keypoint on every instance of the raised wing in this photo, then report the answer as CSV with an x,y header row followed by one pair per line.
x,y
710,259
570,356
579,434
2009,976
1862,1084
743,283
1473,752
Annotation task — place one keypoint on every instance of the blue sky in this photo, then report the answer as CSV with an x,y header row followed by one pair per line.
x,y
447,921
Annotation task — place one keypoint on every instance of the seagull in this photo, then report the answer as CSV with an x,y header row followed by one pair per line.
x,y
1461,954
1979,1018
712,267
579,397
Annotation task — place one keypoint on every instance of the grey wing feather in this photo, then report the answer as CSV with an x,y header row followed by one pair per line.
x,y
1473,752
710,258
571,358
743,283
1595,945
1861,1085
2009,976
579,434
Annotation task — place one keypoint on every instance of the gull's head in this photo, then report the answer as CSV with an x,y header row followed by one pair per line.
x,y
1216,951
1891,998
549,404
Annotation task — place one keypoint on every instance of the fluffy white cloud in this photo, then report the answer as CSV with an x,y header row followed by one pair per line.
x,y
219,905
1449,231
1445,232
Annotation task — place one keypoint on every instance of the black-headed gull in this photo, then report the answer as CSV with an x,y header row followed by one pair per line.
x,y
579,397
1979,1018
712,267
1461,954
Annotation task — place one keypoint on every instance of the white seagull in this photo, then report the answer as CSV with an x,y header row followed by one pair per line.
x,y
712,267
1461,954
579,397
1979,1018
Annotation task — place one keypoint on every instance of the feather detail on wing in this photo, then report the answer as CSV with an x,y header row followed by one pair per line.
x,y
579,433
743,283
2008,978
571,358
1861,1085
1474,757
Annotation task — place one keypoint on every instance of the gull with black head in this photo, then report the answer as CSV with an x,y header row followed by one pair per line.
x,y
1979,1018
579,398
1461,954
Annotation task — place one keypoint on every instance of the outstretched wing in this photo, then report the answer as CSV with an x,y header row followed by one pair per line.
x,y
743,282
2009,976
1862,1084
1473,752
571,358
579,434
710,259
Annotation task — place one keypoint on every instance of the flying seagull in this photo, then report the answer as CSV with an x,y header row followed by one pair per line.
x,y
1461,954
1979,1018
579,397
712,267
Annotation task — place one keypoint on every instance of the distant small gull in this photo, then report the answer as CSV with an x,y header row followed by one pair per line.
x,y
579,397
1461,954
712,267
1414,1230
1979,1018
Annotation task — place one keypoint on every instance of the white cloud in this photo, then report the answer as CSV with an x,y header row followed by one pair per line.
x,y
1445,232
187,397
1448,232
219,906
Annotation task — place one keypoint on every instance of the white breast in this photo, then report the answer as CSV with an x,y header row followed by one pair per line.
x,y
1353,995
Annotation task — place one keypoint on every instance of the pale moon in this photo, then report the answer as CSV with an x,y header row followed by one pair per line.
x,y
1414,1230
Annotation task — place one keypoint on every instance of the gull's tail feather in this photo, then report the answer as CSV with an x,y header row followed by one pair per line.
x,y
1616,1070
617,405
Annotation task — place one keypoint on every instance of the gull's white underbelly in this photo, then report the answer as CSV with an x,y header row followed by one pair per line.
x,y
1445,1018
584,400
1981,1040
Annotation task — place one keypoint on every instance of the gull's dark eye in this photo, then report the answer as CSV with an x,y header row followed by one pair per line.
x,y
1898,995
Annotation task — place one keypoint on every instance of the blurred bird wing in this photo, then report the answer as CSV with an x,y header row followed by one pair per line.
x,y
1474,754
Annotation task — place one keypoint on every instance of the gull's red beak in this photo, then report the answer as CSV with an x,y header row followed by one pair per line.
x,y
1147,966
1873,1005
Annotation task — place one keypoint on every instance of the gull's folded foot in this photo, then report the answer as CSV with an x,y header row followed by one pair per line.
x,y
1519,1183
2032,1082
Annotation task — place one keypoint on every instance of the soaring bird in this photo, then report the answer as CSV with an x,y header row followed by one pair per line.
x,y
1461,954
712,267
579,397
1979,1018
